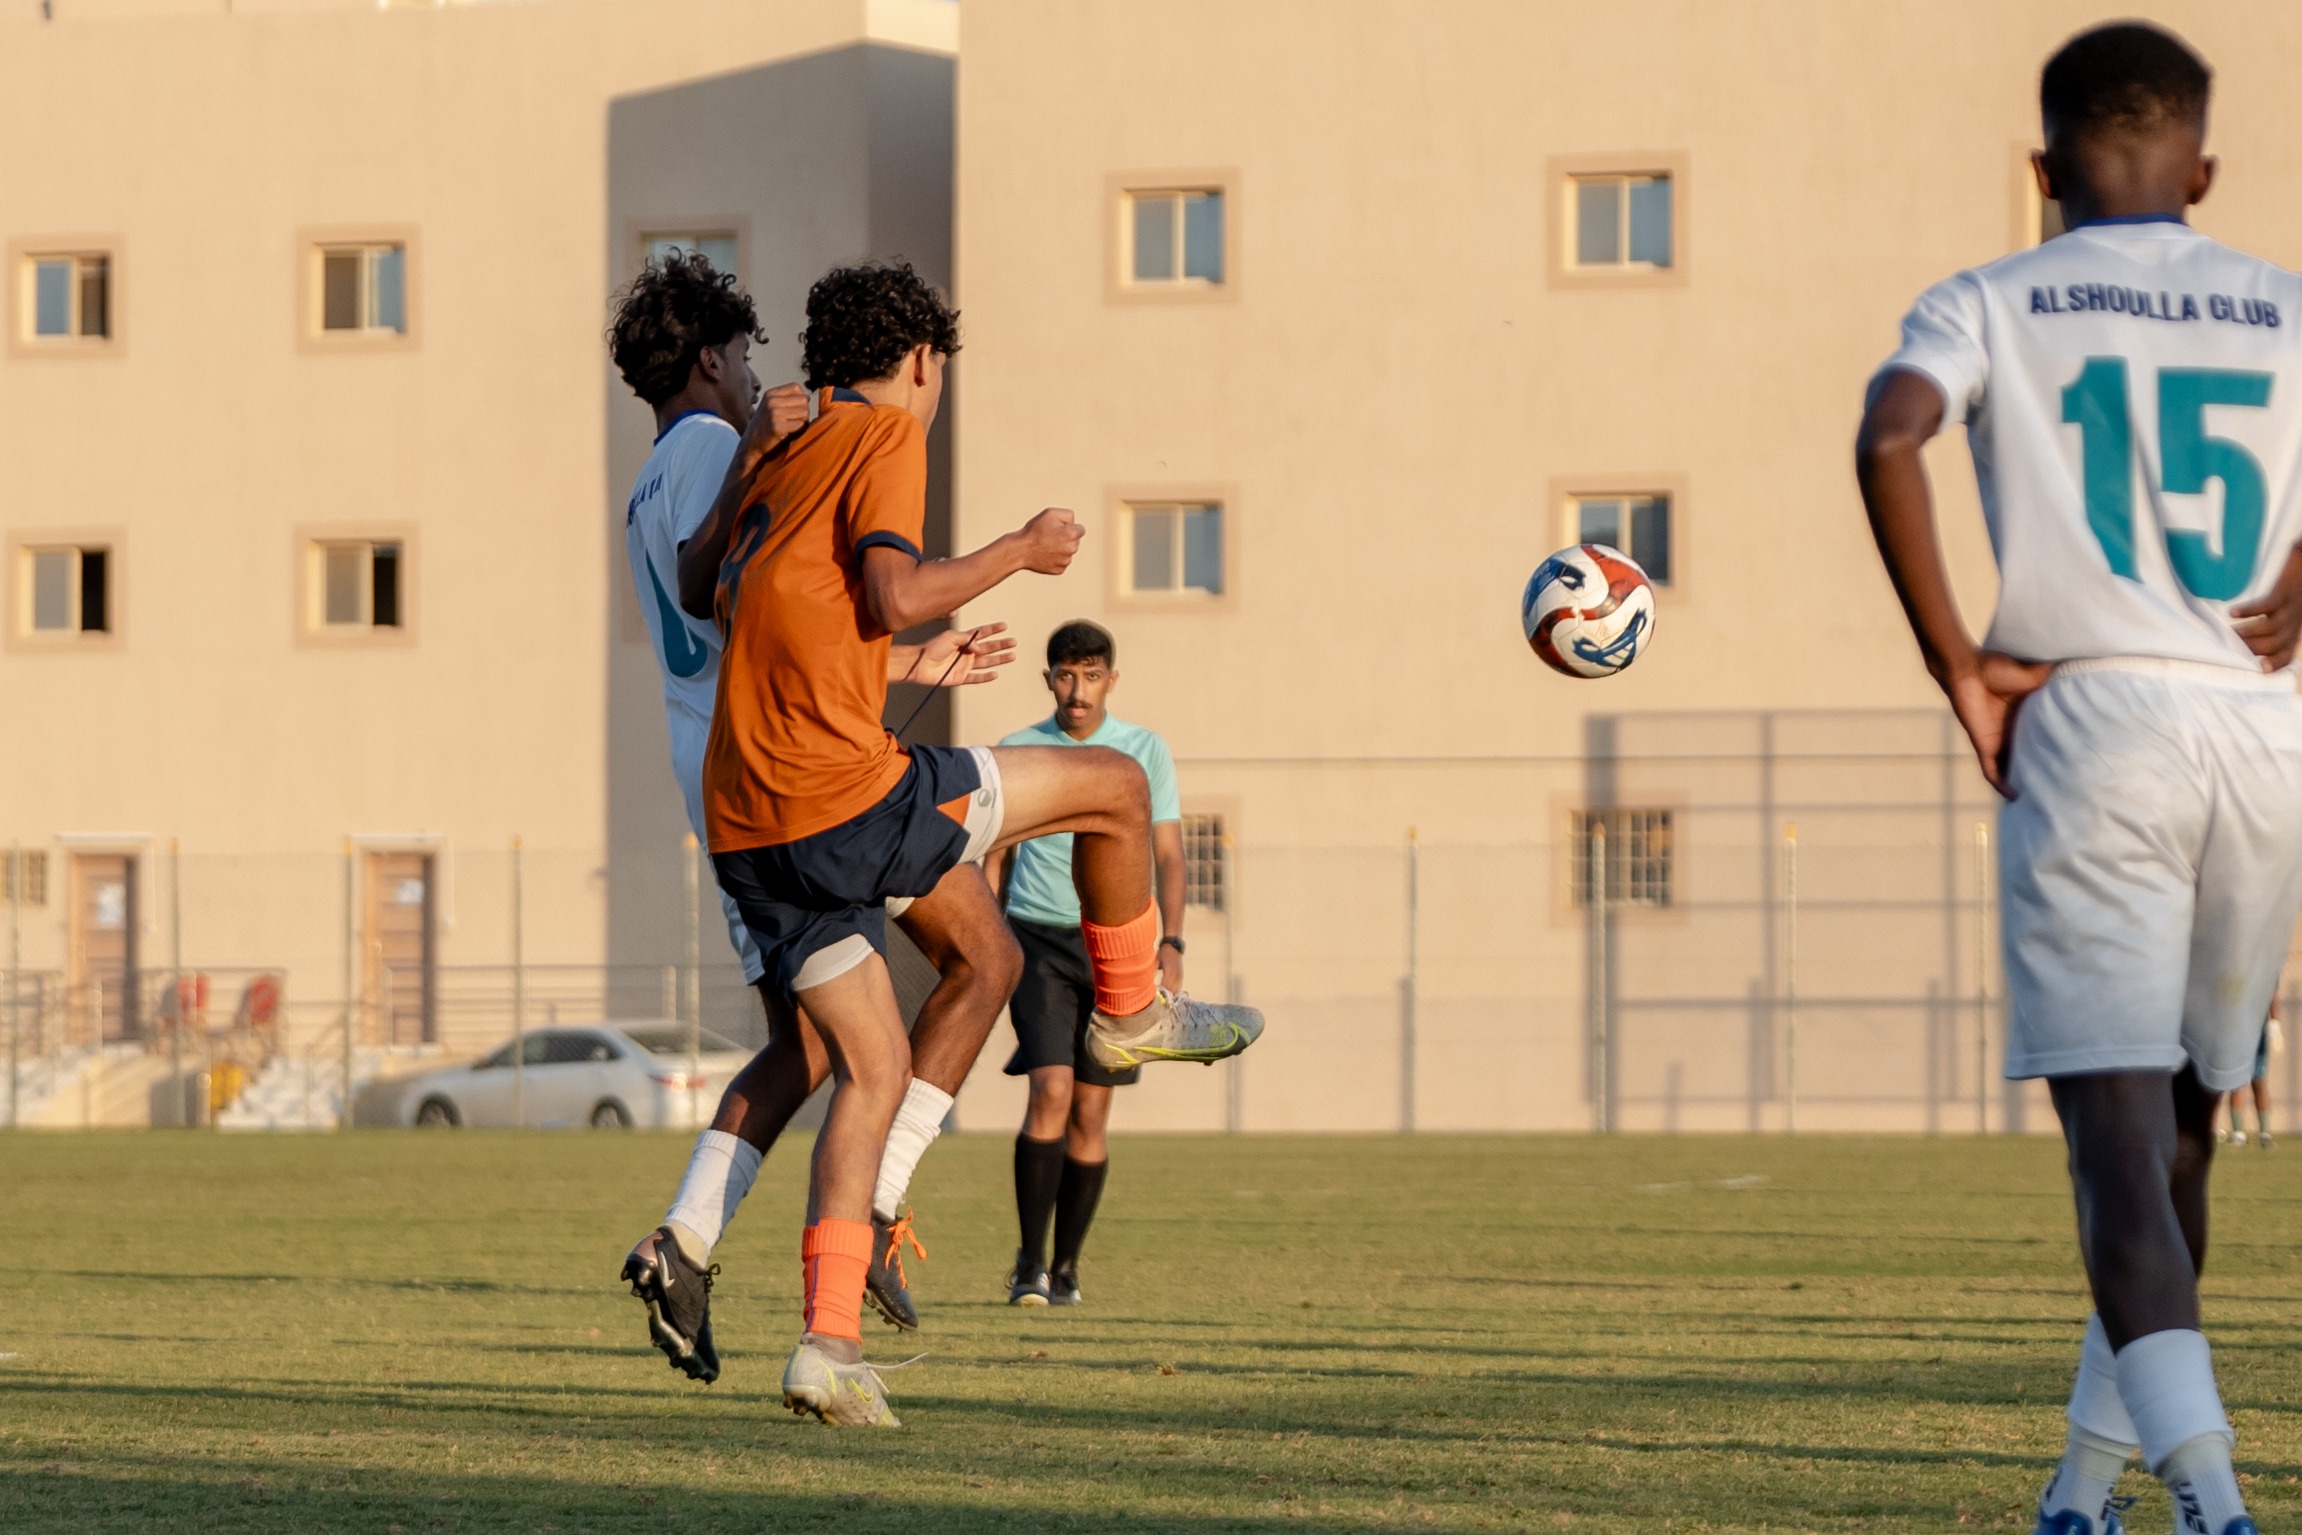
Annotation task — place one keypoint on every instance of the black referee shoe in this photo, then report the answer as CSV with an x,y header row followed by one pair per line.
x,y
1063,1285
678,1298
884,1284
1027,1285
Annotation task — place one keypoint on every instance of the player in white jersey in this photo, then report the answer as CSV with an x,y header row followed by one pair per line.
x,y
682,339
2132,394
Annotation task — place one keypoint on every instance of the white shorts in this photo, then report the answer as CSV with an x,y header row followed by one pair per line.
x,y
2150,867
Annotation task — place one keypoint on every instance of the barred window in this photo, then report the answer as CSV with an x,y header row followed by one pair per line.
x,y
1204,864
33,890
1638,856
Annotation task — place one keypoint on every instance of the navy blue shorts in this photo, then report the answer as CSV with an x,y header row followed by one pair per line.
x,y
812,900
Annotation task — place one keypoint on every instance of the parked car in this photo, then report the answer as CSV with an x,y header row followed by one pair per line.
x,y
611,1076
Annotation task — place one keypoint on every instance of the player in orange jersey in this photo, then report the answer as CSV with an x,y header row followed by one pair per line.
x,y
818,816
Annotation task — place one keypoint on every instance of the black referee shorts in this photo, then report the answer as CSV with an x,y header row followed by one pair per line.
x,y
1052,1004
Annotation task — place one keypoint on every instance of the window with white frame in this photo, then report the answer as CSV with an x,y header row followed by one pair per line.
x,y
64,590
66,297
1174,237
358,585
1620,222
1639,857
1205,862
1174,548
1638,525
715,246
363,289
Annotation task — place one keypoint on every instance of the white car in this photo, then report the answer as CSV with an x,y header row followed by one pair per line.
x,y
611,1076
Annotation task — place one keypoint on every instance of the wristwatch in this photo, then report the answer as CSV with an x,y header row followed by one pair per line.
x,y
1172,942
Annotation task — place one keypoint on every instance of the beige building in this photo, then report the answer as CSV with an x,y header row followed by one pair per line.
x,y
1331,319
311,477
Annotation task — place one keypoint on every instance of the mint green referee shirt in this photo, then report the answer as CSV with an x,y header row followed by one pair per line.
x,y
1039,887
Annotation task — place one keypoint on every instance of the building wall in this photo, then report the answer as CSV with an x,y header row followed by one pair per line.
x,y
521,149
1393,392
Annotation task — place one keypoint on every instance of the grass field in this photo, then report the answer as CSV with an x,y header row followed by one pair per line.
x,y
406,1333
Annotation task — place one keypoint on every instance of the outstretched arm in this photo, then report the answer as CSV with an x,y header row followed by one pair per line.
x,y
1983,686
902,592
780,415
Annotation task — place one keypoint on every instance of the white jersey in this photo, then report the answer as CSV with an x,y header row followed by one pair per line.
x,y
2132,393
671,498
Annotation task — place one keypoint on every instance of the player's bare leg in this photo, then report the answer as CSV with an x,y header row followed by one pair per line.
x,y
959,929
856,1014
1100,796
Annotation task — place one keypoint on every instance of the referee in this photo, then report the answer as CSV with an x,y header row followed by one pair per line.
x,y
1060,1158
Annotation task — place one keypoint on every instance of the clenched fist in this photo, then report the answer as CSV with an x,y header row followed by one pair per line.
x,y
1050,540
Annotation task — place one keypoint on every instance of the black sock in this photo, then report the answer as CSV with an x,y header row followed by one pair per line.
x,y
1075,1208
1038,1173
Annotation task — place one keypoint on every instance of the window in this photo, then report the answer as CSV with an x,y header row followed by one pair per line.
x,y
1174,237
1620,221
1174,548
717,248
67,297
358,584
1638,866
65,590
1640,526
363,289
1204,861
23,877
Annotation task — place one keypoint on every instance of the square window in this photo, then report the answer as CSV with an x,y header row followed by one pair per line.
x,y
716,246
23,877
363,289
358,585
66,297
1638,525
65,591
1175,549
1639,857
1621,221
1174,237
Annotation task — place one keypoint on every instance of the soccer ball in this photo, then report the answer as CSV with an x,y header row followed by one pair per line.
x,y
1588,611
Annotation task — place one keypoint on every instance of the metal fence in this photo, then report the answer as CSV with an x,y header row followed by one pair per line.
x,y
1731,921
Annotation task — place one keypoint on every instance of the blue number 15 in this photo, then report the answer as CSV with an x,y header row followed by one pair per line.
x,y
2095,403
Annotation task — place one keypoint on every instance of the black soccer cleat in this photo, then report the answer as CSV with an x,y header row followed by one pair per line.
x,y
678,1298
1063,1285
1027,1283
884,1284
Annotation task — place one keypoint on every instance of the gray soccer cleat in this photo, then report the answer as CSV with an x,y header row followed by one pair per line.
x,y
1173,1028
841,1395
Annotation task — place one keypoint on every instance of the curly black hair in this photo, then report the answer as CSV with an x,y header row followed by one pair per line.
x,y
863,320
2126,77
673,310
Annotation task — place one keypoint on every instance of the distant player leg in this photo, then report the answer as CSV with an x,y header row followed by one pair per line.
x,y
1103,799
1086,1159
1038,1181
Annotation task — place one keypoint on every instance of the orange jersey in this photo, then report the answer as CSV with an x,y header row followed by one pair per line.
x,y
797,744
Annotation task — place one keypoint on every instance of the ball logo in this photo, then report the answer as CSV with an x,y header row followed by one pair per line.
x,y
1588,611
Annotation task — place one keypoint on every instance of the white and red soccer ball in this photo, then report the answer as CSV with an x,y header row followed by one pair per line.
x,y
1588,611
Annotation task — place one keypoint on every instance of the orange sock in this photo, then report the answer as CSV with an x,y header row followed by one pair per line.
x,y
1126,963
834,1254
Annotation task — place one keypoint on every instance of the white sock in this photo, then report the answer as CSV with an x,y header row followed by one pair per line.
x,y
2101,1434
916,1126
2203,1486
2166,1380
718,1176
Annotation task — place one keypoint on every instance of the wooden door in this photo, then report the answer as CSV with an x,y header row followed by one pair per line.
x,y
101,940
402,986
